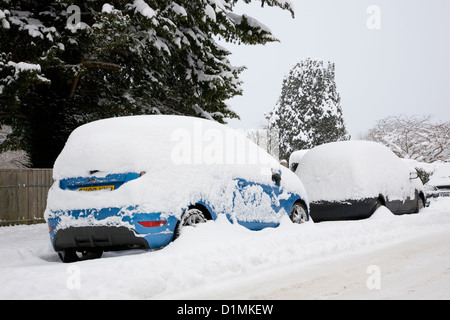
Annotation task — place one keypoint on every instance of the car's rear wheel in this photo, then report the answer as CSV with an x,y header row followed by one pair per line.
x,y
190,218
420,204
377,206
68,256
299,213
71,255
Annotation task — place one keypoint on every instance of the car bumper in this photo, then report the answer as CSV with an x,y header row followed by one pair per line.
x,y
110,229
438,194
342,210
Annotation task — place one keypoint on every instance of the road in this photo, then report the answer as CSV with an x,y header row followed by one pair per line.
x,y
384,257
415,269
418,268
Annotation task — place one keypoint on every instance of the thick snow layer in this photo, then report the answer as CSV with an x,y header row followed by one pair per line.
x,y
355,170
23,66
210,13
252,22
107,8
427,167
143,8
219,259
141,143
185,160
297,156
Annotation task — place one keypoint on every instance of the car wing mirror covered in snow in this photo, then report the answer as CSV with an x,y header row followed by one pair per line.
x,y
413,175
276,177
294,167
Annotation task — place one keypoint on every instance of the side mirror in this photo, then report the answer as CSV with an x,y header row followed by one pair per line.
x,y
276,177
413,175
294,167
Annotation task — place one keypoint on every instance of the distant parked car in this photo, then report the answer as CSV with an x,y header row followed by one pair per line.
x,y
135,182
351,180
439,183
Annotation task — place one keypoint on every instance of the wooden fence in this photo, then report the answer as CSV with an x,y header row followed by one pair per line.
x,y
23,195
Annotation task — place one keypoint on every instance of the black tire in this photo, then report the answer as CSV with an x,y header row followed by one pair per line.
x,y
377,206
91,254
299,213
71,255
420,204
68,256
190,218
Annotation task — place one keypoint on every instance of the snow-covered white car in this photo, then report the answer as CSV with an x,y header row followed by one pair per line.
x,y
352,179
439,183
134,182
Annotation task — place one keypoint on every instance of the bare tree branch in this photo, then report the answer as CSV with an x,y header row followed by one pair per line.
x,y
414,137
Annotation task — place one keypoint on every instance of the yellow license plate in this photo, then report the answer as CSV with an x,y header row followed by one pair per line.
x,y
90,189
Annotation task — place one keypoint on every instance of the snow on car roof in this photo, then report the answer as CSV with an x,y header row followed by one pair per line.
x,y
140,143
353,170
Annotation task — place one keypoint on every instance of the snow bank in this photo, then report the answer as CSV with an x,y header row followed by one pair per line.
x,y
355,170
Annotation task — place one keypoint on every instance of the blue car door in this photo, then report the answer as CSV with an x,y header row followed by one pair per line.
x,y
257,206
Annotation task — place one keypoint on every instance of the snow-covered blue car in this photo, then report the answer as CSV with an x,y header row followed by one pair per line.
x,y
135,182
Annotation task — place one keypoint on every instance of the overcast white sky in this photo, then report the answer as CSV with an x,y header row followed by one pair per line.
x,y
402,68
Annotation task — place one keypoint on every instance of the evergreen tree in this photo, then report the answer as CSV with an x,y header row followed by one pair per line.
x,y
308,112
60,69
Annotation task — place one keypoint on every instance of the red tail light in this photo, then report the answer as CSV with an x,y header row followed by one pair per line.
x,y
152,224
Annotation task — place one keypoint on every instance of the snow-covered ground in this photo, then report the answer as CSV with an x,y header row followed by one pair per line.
x,y
386,256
